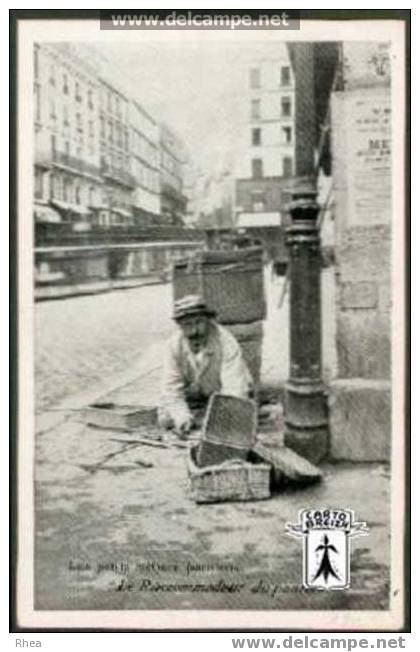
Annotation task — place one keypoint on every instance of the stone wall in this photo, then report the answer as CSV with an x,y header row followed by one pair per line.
x,y
57,266
360,400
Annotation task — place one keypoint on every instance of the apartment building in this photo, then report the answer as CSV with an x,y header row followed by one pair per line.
x,y
144,150
115,155
100,158
267,151
269,139
67,179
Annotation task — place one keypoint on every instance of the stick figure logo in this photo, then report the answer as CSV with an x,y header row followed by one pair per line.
x,y
325,569
326,537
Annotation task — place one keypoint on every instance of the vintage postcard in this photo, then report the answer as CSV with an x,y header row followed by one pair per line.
x,y
211,232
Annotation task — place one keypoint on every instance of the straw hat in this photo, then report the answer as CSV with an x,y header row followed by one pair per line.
x,y
192,304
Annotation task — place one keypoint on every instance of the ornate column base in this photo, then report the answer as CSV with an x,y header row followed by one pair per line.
x,y
306,419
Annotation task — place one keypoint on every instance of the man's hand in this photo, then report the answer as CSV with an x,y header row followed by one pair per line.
x,y
183,425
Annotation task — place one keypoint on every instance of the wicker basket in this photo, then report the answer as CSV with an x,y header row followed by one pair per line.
x,y
232,283
250,338
234,480
229,430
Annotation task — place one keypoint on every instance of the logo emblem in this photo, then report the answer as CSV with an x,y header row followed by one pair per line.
x,y
326,537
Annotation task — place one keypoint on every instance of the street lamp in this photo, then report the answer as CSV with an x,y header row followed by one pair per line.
x,y
306,419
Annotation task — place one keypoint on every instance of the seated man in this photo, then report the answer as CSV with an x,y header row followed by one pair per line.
x,y
201,358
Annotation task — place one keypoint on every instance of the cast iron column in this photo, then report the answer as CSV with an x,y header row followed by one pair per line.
x,y
306,430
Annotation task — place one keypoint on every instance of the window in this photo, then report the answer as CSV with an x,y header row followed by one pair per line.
x,y
67,148
65,85
66,190
285,76
257,168
36,62
258,203
90,101
91,129
287,166
52,186
78,194
37,92
65,115
287,134
52,75
39,184
79,124
254,78
69,190
102,126
77,93
256,136
52,109
110,131
286,107
53,146
57,187
255,109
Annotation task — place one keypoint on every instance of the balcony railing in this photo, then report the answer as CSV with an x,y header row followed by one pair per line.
x,y
62,158
172,192
43,159
117,174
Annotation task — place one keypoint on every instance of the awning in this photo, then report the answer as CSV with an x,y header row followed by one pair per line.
x,y
258,220
121,211
81,226
46,214
75,208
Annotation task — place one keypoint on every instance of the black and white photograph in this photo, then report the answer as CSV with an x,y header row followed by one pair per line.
x,y
210,238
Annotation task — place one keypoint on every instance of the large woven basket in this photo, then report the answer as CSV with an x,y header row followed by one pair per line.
x,y
234,480
232,283
250,338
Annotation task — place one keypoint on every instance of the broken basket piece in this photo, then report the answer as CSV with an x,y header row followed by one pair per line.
x,y
229,430
122,417
287,467
234,480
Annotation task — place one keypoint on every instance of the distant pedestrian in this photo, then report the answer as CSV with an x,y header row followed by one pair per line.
x,y
201,358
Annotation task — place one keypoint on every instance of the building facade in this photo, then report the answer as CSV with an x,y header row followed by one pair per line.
x,y
144,149
267,151
67,179
270,133
360,394
115,156
100,159
267,157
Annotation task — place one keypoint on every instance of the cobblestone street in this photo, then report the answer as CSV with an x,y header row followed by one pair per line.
x,y
83,341
86,340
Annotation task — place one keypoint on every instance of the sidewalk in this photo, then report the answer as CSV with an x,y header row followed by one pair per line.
x,y
131,523
51,292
